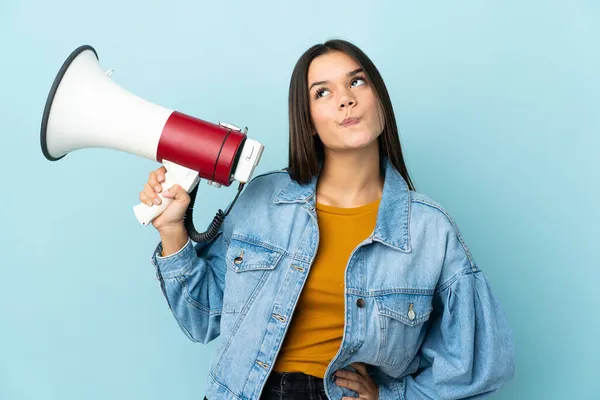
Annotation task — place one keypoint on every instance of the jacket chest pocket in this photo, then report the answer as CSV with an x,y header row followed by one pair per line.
x,y
248,267
403,325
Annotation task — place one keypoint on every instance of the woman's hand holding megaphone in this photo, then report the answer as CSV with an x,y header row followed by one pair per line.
x,y
169,223
154,203
172,217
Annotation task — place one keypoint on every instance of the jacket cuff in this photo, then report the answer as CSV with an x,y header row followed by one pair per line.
x,y
176,263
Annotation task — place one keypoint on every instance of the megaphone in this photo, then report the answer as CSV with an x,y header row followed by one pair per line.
x,y
87,109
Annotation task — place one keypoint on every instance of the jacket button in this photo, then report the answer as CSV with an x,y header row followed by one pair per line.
x,y
411,312
238,260
360,303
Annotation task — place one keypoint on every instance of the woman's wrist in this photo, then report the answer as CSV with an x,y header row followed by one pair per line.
x,y
173,238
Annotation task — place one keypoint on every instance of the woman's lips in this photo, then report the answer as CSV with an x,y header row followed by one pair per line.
x,y
350,121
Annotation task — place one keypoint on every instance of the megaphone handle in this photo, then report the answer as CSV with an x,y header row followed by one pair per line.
x,y
176,174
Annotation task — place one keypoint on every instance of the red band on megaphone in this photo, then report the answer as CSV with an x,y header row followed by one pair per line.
x,y
202,146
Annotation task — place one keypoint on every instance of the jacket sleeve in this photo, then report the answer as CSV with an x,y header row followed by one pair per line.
x,y
192,281
468,351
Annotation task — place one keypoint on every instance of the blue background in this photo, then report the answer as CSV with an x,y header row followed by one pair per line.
x,y
498,109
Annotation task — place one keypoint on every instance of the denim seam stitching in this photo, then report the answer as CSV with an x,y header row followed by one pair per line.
x,y
270,265
454,278
249,240
422,292
299,257
383,342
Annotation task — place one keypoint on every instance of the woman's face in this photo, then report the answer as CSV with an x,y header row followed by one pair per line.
x,y
344,110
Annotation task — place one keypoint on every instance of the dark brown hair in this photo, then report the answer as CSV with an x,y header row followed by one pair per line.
x,y
306,150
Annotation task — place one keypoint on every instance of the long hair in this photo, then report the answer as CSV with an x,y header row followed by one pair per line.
x,y
306,150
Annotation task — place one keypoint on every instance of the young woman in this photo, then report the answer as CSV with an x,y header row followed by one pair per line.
x,y
334,278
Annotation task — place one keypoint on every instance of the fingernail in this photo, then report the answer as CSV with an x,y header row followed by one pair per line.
x,y
156,189
157,201
161,178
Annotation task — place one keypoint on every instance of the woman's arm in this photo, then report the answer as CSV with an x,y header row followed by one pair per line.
x,y
192,280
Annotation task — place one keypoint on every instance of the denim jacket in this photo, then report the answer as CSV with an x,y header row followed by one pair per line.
x,y
419,311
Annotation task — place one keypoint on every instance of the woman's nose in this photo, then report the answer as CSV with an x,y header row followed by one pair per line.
x,y
347,98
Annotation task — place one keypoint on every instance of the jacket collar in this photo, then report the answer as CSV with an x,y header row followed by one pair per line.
x,y
392,223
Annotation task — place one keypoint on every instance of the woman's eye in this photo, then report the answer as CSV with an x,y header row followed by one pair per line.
x,y
358,82
321,92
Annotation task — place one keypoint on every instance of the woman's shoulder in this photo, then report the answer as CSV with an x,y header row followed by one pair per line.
x,y
270,176
269,181
430,212
264,186
424,204
437,225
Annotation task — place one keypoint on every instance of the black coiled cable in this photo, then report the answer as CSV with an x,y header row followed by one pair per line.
x,y
215,225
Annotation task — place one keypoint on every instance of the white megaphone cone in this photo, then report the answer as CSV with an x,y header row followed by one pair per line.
x,y
86,109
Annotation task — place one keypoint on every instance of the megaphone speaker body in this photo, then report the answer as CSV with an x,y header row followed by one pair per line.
x,y
87,109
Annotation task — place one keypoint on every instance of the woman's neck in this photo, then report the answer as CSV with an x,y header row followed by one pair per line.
x,y
350,179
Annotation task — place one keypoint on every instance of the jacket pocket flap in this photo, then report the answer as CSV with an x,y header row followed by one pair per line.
x,y
410,309
245,256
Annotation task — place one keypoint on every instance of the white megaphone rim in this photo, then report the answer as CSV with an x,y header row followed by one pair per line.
x,y
50,99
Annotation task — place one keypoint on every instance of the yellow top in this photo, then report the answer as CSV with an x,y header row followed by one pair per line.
x,y
316,329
